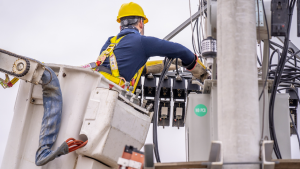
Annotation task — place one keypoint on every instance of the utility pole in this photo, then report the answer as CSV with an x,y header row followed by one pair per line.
x,y
238,111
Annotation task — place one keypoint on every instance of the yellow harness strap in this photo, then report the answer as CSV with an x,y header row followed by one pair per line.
x,y
112,58
137,77
115,76
109,52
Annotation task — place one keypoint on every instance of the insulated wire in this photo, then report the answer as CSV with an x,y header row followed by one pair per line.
x,y
201,17
193,44
155,142
278,55
269,67
197,52
258,60
276,83
177,66
293,55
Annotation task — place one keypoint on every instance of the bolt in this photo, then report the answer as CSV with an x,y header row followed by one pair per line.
x,y
123,93
137,92
32,100
20,66
149,107
150,76
128,95
131,89
144,103
126,85
64,74
136,100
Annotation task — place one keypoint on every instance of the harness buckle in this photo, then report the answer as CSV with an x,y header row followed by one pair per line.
x,y
110,48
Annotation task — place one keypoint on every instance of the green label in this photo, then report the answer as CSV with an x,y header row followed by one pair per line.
x,y
200,110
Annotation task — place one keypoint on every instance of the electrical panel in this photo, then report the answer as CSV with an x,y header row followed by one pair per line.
x,y
178,114
293,100
152,109
139,86
165,91
293,112
279,17
179,91
149,86
164,114
293,104
172,97
192,87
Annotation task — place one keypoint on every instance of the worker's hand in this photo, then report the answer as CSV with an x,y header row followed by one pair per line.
x,y
179,62
197,70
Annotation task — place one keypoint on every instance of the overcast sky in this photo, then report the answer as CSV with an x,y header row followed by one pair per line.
x,y
72,32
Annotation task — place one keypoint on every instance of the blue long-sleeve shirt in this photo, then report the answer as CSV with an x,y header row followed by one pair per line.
x,y
133,51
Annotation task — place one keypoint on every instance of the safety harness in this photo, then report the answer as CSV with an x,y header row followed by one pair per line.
x,y
115,75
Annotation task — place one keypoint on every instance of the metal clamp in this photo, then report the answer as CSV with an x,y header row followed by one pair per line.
x,y
266,154
215,160
216,156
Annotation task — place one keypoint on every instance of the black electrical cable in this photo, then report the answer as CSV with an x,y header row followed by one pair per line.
x,y
258,60
194,45
199,40
279,46
197,33
293,55
278,55
156,102
278,73
278,61
177,67
193,38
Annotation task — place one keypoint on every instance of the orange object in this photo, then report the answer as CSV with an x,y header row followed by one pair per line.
x,y
75,144
131,153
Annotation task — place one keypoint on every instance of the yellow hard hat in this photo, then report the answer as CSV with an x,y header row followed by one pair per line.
x,y
131,9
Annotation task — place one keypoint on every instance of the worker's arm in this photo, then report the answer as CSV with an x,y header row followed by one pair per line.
x,y
158,47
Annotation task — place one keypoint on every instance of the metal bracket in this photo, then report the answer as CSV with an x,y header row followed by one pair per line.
x,y
266,154
215,160
259,22
207,85
268,85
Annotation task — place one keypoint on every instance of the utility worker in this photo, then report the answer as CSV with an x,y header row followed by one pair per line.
x,y
122,57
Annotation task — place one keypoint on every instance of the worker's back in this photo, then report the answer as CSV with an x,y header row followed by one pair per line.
x,y
129,53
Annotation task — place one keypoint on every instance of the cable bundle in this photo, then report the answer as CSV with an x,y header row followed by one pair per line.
x,y
283,75
156,103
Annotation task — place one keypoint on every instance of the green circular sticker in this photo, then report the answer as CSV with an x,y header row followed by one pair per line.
x,y
200,110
